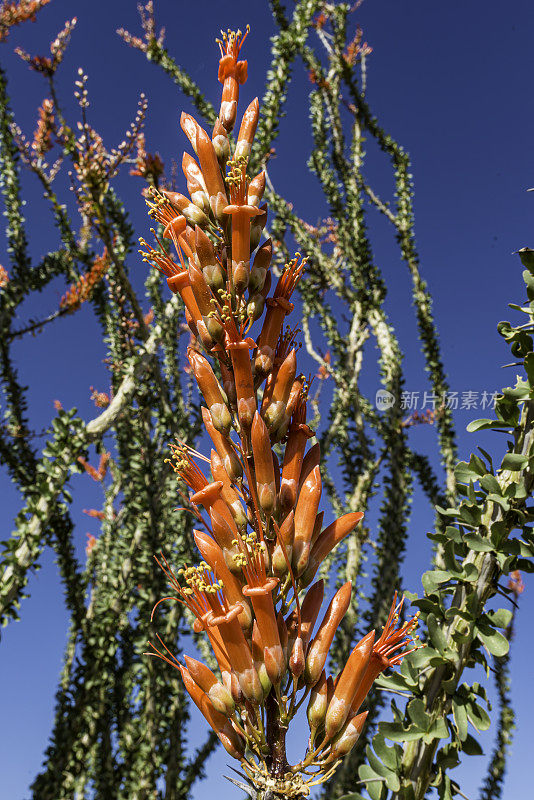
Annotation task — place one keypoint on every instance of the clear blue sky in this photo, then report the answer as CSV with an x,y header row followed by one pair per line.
x,y
453,83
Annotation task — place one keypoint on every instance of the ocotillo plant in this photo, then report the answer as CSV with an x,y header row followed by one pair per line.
x,y
264,542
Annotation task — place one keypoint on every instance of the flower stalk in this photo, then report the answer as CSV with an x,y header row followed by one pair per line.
x,y
264,539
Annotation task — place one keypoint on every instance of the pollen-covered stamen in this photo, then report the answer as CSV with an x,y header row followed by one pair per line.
x,y
160,259
185,467
394,639
232,42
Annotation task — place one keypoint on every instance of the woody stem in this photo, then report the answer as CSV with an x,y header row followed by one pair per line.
x,y
276,739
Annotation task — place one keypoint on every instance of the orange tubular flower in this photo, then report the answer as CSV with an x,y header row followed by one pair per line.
x,y
221,144
347,685
217,693
241,214
212,269
299,433
244,383
281,558
275,408
277,308
388,651
228,493
195,182
346,738
326,542
211,391
214,556
260,266
259,589
263,462
318,650
224,448
228,736
232,73
247,130
256,189
305,514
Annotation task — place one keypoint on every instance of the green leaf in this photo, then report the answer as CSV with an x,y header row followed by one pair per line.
x,y
478,543
397,733
490,484
514,462
432,579
500,618
460,719
389,755
493,640
418,714
471,746
435,631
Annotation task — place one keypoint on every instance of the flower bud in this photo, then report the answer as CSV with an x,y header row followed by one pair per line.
x,y
228,493
255,307
211,391
349,680
275,408
247,130
318,650
318,703
217,693
297,660
347,737
256,189
195,182
256,229
263,464
210,264
327,540
209,164
286,533
257,655
260,266
305,514
193,214
221,143
223,445
244,384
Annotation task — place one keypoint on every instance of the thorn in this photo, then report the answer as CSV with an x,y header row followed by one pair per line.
x,y
247,789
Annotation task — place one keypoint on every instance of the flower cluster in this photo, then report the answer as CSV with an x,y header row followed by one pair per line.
x,y
13,13
253,594
82,290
